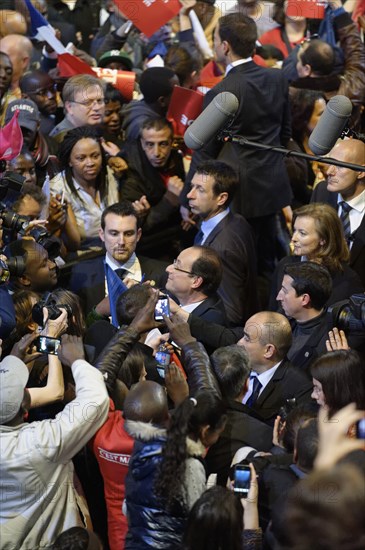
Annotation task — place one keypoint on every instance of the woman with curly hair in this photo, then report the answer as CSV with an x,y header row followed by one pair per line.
x,y
318,237
86,184
166,473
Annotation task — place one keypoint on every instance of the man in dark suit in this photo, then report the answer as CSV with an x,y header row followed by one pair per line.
x,y
212,189
267,337
263,116
345,191
120,233
193,279
231,368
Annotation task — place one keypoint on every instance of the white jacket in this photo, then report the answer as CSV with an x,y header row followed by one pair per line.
x,y
37,495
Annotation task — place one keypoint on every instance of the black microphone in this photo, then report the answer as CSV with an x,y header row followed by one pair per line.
x,y
331,125
214,117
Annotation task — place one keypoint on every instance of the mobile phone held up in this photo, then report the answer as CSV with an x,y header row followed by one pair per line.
x,y
242,480
46,344
162,308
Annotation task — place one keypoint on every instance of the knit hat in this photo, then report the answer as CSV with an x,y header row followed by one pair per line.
x,y
13,379
118,56
29,116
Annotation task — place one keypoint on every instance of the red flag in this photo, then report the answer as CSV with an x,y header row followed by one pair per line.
x,y
69,65
185,106
149,15
11,139
312,9
121,80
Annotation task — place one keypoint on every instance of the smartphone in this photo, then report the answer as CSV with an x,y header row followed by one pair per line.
x,y
162,308
46,344
360,429
242,480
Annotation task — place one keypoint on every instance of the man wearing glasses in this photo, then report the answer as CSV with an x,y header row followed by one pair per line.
x,y
83,98
42,89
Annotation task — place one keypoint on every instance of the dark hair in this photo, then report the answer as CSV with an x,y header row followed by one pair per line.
x,y
334,252
209,267
240,32
215,522
320,56
33,191
312,279
326,510
279,12
182,62
232,368
302,103
225,177
76,324
130,302
342,376
131,368
293,422
71,138
206,409
156,123
123,208
112,94
77,538
155,83
306,444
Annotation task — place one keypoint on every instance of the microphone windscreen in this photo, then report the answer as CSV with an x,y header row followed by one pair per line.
x,y
331,125
214,117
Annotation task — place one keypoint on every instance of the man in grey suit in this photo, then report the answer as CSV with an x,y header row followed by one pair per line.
x,y
344,189
212,190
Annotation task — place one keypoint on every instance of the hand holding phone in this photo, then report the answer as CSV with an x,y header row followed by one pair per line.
x,y
242,480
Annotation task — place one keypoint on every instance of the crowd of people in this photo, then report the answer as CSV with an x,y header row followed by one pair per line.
x,y
182,333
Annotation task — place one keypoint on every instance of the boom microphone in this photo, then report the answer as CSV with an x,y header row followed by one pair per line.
x,y
331,125
214,117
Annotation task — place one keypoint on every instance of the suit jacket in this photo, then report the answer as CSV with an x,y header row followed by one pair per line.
x,y
264,116
242,429
288,382
357,252
88,279
232,240
212,310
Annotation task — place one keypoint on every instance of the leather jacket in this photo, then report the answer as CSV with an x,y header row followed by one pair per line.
x,y
198,369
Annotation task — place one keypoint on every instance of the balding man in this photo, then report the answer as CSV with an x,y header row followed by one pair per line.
x,y
267,337
344,189
19,49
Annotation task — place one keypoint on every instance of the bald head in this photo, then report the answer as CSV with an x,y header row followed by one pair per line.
x,y
146,402
349,183
12,22
19,49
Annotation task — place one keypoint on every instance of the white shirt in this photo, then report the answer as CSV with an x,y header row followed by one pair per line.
x,y
208,226
236,63
356,213
264,378
190,307
87,211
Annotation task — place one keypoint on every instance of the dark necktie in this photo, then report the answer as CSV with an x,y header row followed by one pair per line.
x,y
256,387
199,238
121,273
345,219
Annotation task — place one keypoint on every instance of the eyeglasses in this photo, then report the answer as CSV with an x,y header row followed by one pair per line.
x,y
175,264
45,91
89,103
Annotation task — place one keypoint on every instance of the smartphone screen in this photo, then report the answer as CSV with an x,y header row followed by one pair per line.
x,y
242,479
162,308
45,344
360,429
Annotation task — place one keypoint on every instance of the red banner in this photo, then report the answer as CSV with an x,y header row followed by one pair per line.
x,y
185,106
306,8
149,15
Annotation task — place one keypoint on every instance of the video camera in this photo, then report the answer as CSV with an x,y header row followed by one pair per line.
x,y
348,315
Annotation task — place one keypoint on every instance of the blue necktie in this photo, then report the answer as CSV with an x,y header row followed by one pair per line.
x,y
199,238
256,387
